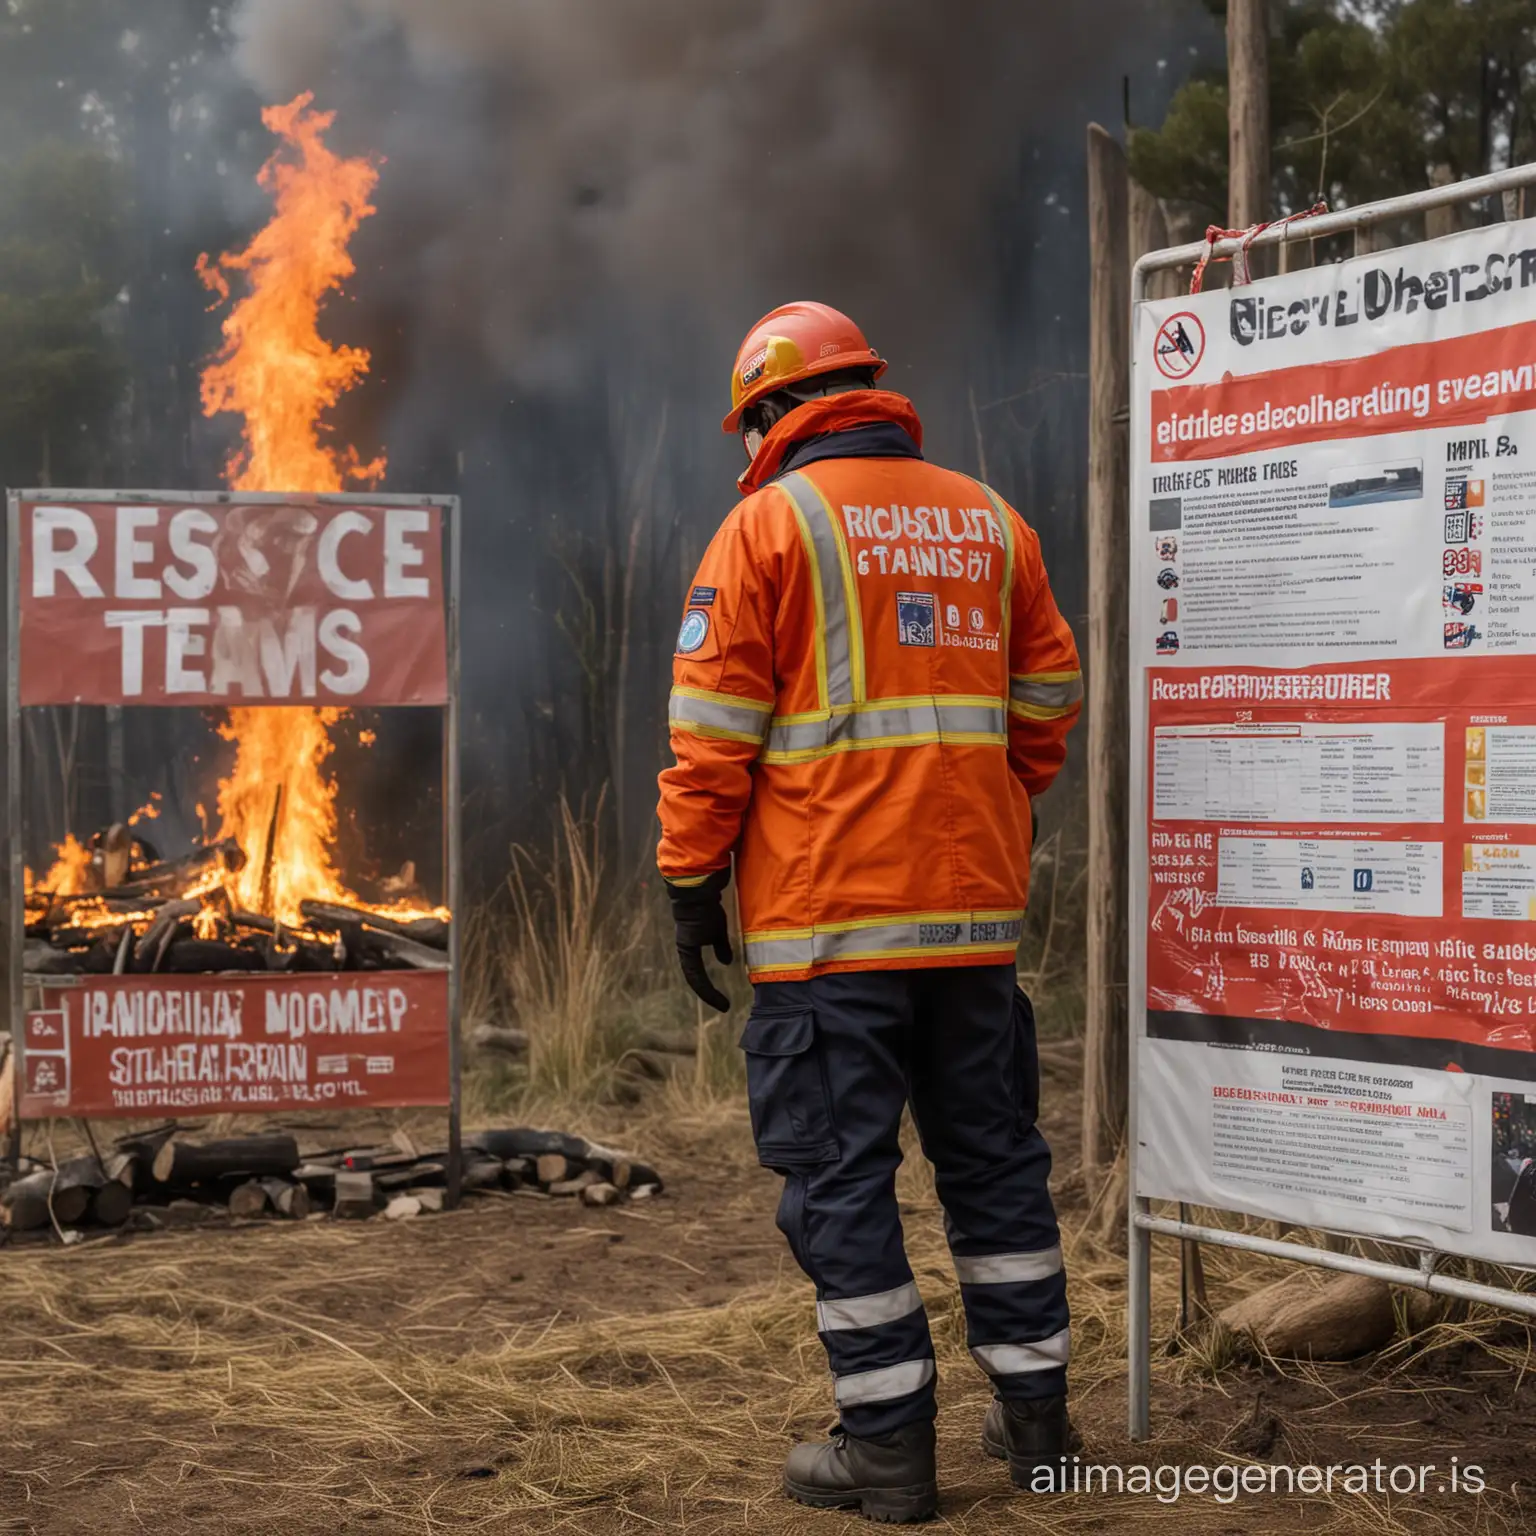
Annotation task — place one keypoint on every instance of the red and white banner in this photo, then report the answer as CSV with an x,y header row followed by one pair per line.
x,y
1333,715
163,1046
202,604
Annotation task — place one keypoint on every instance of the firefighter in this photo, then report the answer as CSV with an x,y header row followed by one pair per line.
x,y
872,683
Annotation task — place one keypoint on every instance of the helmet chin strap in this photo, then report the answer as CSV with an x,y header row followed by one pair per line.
x,y
752,441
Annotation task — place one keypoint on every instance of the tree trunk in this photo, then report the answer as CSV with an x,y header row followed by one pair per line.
x,y
1248,199
1104,1071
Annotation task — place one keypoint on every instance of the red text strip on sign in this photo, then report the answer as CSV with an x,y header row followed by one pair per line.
x,y
125,1046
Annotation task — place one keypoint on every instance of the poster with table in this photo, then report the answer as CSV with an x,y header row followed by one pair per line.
x,y
1333,723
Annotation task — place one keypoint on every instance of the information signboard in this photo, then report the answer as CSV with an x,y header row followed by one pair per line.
x,y
1333,618
230,599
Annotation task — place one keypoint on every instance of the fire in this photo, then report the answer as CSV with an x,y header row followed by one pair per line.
x,y
275,369
70,873
279,795
277,372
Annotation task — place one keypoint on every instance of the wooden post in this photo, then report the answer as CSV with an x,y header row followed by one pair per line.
x,y
1109,302
1248,114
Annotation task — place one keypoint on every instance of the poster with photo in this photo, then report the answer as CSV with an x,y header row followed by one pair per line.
x,y
1333,633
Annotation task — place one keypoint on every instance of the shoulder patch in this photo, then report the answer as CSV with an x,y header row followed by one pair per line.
x,y
702,597
694,633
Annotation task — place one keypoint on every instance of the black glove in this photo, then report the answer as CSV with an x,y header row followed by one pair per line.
x,y
699,916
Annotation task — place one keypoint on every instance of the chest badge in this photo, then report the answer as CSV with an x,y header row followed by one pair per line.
x,y
915,618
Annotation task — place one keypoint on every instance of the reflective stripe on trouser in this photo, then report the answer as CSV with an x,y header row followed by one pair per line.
x,y
830,1064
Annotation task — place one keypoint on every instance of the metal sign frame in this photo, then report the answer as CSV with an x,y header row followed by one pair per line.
x,y
452,793
1140,1219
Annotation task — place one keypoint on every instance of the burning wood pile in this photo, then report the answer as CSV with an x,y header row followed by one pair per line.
x,y
161,1178
115,907
263,893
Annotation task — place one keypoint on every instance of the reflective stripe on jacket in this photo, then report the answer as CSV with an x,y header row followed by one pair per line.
x,y
872,680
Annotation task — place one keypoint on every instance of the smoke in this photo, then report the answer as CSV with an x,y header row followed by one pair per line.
x,y
584,206
555,163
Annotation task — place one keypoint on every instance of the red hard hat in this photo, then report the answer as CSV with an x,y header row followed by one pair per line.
x,y
794,342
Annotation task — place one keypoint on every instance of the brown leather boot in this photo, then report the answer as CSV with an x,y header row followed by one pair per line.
x,y
892,1479
1028,1435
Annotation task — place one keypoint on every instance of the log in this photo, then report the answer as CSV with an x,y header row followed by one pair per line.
x,y
397,950
39,958
175,876
143,1147
7,1093
315,1176
188,1162
26,1202
150,949
112,1204
416,1177
612,1167
1345,1316
429,932
554,1168
290,1200
203,957
600,1194
523,1142
273,823
483,1173
376,1159
356,1198
247,1200
115,853
495,1037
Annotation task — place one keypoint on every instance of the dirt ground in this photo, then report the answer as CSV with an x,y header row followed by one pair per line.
x,y
532,1365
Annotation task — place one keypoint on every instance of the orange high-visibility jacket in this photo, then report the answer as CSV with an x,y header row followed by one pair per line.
x,y
872,679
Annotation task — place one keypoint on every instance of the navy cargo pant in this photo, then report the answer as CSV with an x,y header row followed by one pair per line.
x,y
831,1062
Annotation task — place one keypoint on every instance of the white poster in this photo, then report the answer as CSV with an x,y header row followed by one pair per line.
x,y
1333,715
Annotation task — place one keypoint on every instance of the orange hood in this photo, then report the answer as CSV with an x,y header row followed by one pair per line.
x,y
834,413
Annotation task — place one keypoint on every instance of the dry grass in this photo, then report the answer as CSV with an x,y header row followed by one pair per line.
x,y
243,1392
568,958
174,1384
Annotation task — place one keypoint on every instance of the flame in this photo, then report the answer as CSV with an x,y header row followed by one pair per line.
x,y
281,375
275,369
69,875
279,784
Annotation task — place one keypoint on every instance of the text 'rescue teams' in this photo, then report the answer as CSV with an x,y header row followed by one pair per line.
x,y
231,604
